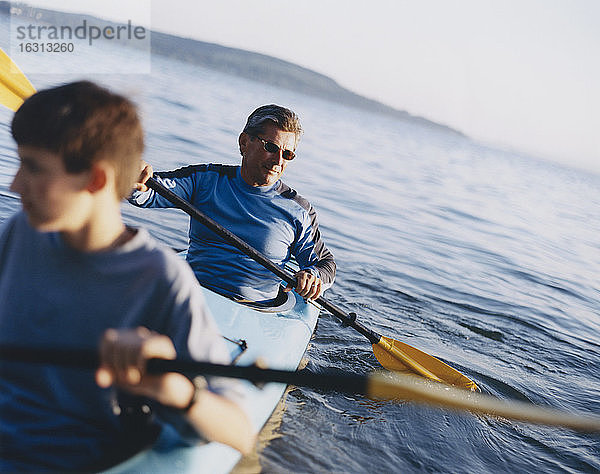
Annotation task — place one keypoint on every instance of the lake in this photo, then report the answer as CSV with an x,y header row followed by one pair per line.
x,y
487,259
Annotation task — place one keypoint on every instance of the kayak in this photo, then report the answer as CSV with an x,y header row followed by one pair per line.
x,y
277,336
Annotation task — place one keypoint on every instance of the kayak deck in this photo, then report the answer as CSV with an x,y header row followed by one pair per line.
x,y
278,339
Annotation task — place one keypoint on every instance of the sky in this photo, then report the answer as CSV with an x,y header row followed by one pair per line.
x,y
519,74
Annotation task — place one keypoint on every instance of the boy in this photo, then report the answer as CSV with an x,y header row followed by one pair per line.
x,y
70,269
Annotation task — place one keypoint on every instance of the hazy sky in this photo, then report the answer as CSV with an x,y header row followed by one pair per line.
x,y
524,74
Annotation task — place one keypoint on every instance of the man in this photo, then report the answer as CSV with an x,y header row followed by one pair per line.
x,y
252,202
69,270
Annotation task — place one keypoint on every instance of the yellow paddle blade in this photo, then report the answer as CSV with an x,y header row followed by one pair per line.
x,y
400,357
14,86
395,386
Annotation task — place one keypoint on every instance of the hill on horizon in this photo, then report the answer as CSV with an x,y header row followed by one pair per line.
x,y
238,62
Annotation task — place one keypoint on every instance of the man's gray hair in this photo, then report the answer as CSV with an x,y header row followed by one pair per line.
x,y
284,118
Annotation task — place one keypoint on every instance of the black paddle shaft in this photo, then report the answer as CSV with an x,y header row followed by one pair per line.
x,y
88,359
255,255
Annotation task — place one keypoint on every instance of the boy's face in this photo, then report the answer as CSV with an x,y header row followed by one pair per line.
x,y
53,199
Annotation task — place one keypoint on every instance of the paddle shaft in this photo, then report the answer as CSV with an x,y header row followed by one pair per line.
x,y
392,357
88,359
387,386
255,255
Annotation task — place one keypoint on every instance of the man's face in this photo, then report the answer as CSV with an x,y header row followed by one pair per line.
x,y
53,199
259,167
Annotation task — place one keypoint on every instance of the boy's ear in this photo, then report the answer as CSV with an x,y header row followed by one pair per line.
x,y
98,177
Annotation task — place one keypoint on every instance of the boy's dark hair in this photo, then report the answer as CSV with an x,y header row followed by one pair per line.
x,y
84,123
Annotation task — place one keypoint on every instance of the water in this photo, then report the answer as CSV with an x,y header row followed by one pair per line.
x,y
484,258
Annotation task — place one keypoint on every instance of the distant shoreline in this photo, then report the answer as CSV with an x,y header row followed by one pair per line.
x,y
249,65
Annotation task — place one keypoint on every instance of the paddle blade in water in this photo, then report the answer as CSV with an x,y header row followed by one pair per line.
x,y
400,357
14,86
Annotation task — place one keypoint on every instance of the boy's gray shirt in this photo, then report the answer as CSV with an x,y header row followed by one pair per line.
x,y
54,296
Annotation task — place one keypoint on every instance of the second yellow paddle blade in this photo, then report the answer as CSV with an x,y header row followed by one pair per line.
x,y
400,357
14,86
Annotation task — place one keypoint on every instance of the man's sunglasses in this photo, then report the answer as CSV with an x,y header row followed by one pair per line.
x,y
272,148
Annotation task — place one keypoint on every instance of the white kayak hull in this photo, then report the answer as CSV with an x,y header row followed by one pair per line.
x,y
278,339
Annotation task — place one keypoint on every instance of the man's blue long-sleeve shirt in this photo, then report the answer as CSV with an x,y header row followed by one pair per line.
x,y
275,220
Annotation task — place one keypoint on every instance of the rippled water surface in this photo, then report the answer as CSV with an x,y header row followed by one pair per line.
x,y
484,258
